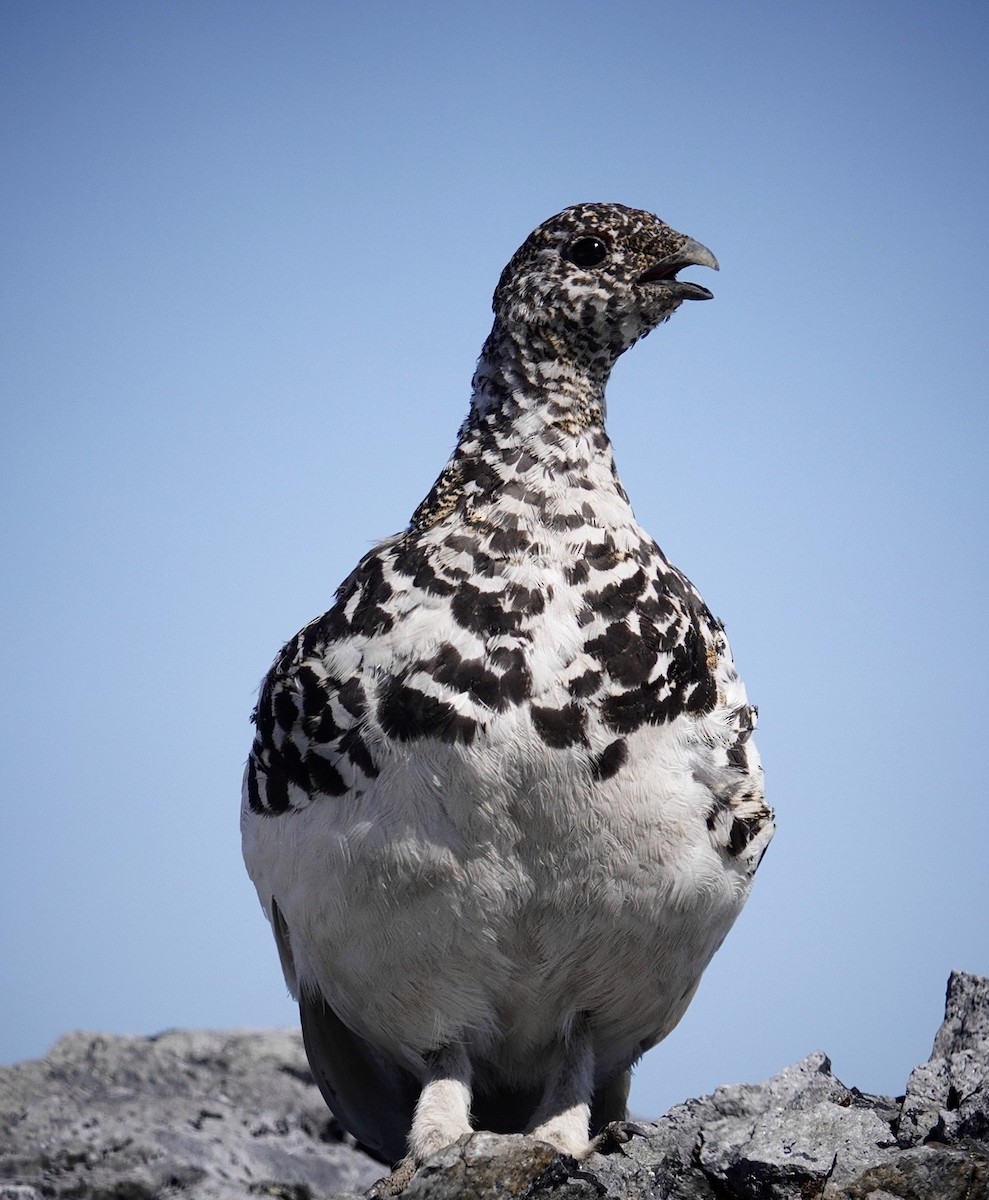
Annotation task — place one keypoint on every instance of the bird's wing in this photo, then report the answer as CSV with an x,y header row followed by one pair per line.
x,y
309,748
312,708
739,821
373,1099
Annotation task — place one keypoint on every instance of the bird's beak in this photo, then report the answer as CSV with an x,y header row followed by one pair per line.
x,y
690,254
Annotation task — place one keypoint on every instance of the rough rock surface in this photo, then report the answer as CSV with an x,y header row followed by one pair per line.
x,y
211,1116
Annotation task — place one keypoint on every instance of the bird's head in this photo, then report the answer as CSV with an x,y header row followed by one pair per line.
x,y
591,281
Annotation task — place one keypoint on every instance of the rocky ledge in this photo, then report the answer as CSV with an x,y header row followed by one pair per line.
x,y
213,1116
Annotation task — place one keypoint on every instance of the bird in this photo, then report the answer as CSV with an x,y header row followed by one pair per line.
x,y
503,803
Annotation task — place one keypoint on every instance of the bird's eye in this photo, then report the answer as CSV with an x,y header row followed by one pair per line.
x,y
586,252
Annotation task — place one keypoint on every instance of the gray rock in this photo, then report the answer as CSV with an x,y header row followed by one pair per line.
x,y
210,1116
925,1173
800,1130
948,1097
488,1164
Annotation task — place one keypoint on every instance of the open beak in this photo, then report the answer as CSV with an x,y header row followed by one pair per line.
x,y
690,254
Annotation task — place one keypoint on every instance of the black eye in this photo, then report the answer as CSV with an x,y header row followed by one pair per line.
x,y
586,252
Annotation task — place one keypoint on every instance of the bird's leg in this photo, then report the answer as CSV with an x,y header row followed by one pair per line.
x,y
564,1112
442,1115
443,1110
609,1115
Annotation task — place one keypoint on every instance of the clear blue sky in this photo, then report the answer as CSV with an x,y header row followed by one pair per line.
x,y
248,256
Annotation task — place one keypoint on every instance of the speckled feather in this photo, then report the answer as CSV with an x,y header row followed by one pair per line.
x,y
503,795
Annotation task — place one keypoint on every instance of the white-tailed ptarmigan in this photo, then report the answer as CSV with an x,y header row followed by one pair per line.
x,y
503,804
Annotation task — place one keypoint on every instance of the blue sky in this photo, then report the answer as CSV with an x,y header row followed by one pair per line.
x,y
248,257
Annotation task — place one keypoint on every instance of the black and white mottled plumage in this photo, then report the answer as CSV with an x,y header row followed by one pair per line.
x,y
503,804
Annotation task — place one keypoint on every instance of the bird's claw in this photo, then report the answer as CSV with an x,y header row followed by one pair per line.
x,y
615,1135
394,1183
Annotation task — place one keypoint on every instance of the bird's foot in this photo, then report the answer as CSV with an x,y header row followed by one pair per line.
x,y
566,1137
394,1183
615,1135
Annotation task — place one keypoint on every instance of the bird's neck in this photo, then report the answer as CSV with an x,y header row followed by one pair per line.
x,y
534,383
534,435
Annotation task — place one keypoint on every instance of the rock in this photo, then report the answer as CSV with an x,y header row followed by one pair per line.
x,y
210,1116
489,1164
926,1173
797,1132
948,1097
